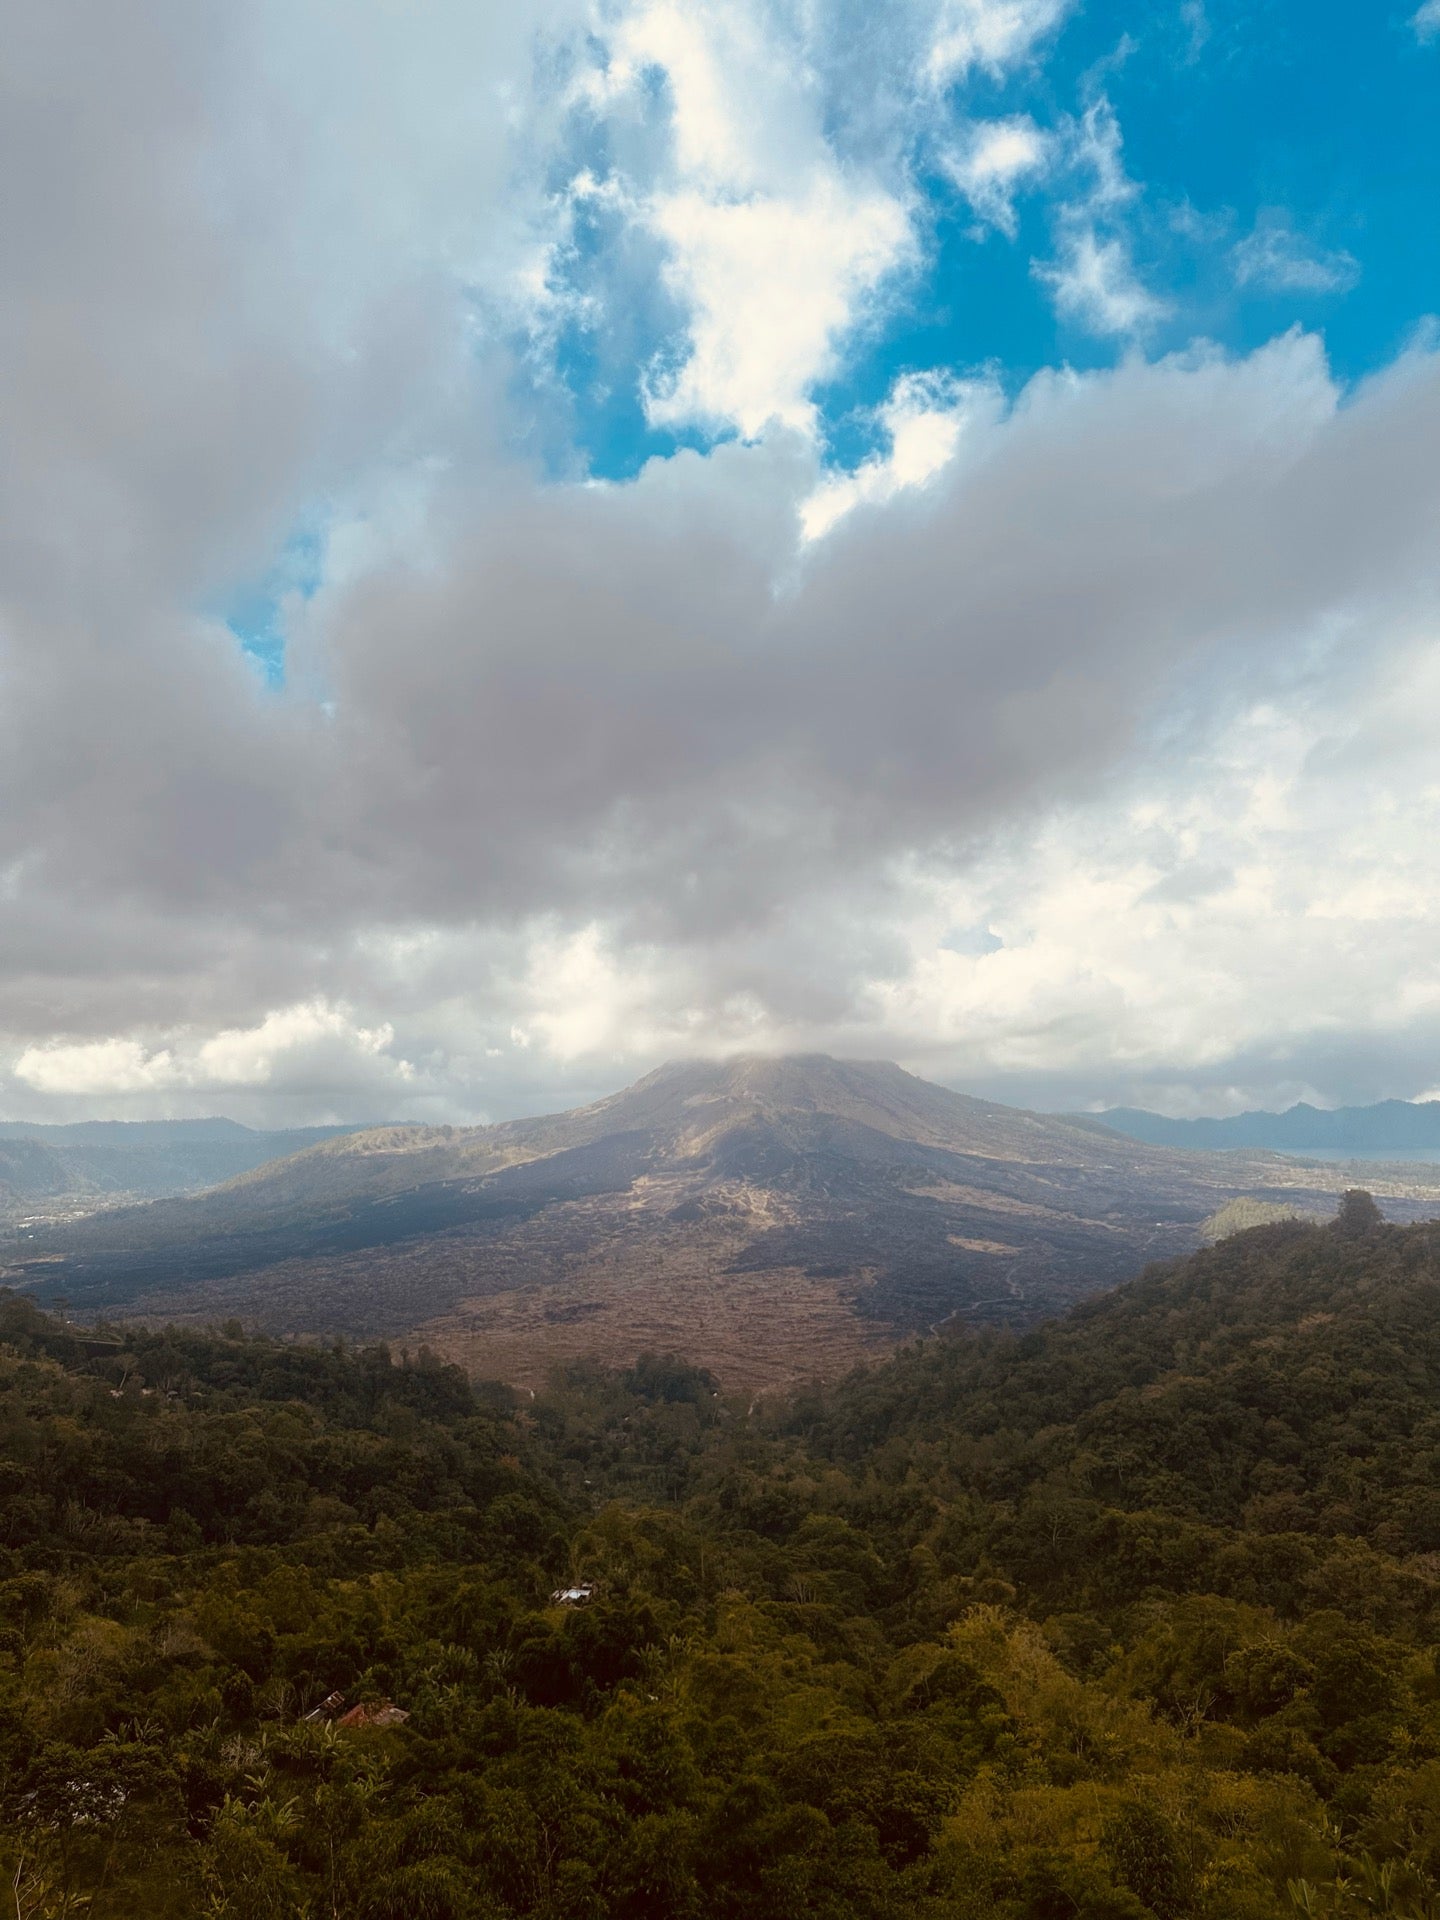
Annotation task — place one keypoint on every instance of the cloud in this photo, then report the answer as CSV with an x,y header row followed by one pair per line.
x,y
315,1049
636,768
924,419
997,157
639,701
771,285
1246,931
96,1067
1093,274
1426,20
1096,285
640,718
773,244
1276,259
993,34
1196,22
1097,149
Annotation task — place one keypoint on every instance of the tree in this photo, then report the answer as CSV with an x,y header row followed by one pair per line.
x,y
1359,1216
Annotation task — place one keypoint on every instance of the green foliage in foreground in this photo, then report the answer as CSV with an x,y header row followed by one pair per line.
x,y
1133,1616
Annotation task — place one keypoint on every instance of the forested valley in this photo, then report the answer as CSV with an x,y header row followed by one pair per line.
x,y
1134,1614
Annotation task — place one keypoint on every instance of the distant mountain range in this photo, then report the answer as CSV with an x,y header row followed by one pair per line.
x,y
51,1171
1397,1126
769,1218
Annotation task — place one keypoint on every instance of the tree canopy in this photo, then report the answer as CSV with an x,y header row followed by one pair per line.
x,y
1135,1614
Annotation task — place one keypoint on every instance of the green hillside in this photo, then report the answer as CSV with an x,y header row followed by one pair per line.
x,y
1135,1614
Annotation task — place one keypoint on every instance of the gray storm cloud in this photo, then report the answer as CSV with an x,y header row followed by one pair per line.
x,y
639,699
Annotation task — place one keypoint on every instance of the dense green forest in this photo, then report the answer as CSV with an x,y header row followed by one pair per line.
x,y
1132,1615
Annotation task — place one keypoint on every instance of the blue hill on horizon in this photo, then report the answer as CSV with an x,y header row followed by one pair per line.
x,y
1397,1126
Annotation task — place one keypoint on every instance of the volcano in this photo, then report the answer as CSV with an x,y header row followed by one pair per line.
x,y
769,1217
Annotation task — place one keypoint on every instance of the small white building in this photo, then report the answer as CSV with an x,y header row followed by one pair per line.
x,y
580,1595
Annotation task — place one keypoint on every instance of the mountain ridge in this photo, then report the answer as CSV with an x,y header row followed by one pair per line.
x,y
779,1216
1385,1125
62,1169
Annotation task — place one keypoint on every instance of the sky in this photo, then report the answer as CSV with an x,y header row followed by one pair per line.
x,y
536,540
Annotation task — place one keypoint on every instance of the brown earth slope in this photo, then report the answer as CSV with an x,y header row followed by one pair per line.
x,y
772,1218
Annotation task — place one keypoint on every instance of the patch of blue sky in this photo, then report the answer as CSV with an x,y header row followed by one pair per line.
x,y
1286,167
607,418
1314,121
619,327
256,611
622,330
1286,163
974,942
977,309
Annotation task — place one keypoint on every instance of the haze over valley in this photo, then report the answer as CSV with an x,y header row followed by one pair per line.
x,y
49,1171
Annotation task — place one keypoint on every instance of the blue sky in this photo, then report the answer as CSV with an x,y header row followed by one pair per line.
x,y
1283,168
541,539
1275,166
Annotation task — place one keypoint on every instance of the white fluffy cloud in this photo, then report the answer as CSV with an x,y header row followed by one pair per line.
x,y
996,158
1245,933
773,243
993,34
315,1050
100,1067
771,285
924,418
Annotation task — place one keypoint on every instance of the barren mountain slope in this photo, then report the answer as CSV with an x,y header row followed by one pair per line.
x,y
773,1217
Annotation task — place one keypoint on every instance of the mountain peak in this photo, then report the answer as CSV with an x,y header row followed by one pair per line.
x,y
698,1095
783,1077
770,1214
